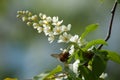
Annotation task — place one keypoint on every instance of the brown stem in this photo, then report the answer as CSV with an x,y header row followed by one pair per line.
x,y
111,23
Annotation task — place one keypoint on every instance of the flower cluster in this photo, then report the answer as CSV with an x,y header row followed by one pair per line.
x,y
51,26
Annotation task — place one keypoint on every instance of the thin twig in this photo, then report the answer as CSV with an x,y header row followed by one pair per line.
x,y
111,23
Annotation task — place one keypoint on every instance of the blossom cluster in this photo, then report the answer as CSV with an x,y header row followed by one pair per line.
x,y
51,26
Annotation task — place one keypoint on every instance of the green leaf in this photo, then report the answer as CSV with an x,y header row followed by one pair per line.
x,y
103,54
88,29
40,76
48,75
113,56
88,75
54,71
95,42
98,65
77,54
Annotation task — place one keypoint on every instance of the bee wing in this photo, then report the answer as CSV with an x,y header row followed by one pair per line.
x,y
55,55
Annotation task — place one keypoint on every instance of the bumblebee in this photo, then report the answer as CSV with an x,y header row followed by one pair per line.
x,y
63,57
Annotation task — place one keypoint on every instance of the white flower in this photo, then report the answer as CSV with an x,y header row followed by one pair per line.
x,y
18,16
34,17
80,43
40,29
74,38
49,19
47,30
45,22
69,27
57,30
75,66
35,25
42,16
55,19
24,19
71,51
103,75
29,18
51,39
64,38
29,23
41,22
56,22
66,28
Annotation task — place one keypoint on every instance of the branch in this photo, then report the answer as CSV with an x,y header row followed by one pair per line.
x,y
111,23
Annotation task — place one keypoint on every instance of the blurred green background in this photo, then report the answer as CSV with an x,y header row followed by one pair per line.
x,y
24,53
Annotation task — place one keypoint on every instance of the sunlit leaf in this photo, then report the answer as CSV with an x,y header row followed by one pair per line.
x,y
88,29
113,56
40,76
46,76
95,42
56,70
10,79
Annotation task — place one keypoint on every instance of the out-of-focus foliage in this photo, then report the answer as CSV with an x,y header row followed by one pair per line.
x,y
10,79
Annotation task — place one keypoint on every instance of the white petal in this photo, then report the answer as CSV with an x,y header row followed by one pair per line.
x,y
103,75
75,66
71,51
57,30
44,16
74,38
64,38
51,39
68,27
55,19
49,19
39,29
47,30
